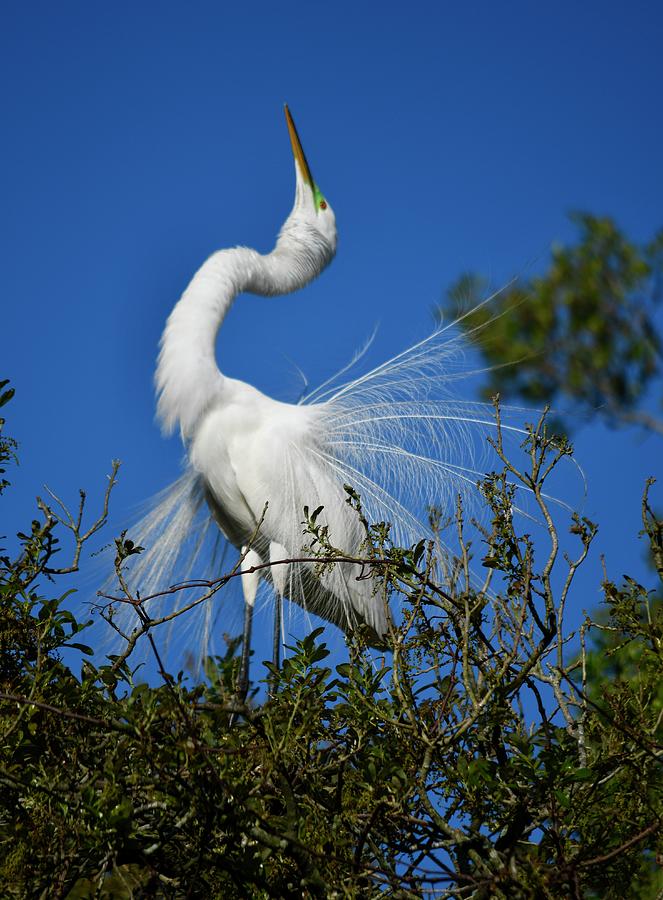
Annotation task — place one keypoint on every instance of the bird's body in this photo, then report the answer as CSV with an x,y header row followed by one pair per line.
x,y
397,434
240,443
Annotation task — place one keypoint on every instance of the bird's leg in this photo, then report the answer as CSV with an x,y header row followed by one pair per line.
x,y
279,574
243,678
250,582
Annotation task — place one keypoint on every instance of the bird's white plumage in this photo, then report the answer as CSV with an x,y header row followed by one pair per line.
x,y
397,434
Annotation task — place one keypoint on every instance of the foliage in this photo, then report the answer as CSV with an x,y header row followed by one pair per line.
x,y
584,331
7,445
475,760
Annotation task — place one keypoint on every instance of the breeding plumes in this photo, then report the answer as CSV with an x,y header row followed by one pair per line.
x,y
397,434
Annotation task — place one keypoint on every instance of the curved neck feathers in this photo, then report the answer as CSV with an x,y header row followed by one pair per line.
x,y
187,378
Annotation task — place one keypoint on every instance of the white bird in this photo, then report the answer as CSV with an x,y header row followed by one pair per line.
x,y
396,434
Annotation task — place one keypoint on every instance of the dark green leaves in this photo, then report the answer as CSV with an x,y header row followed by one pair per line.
x,y
583,331
464,760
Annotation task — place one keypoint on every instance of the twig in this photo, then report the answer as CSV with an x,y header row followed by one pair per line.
x,y
67,713
606,857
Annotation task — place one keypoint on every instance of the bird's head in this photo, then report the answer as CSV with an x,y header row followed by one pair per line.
x,y
311,209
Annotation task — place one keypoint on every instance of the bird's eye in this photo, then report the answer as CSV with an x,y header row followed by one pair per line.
x,y
323,204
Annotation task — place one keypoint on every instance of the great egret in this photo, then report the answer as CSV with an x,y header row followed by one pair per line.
x,y
396,433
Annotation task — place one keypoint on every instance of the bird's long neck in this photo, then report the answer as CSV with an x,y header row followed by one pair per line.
x,y
187,378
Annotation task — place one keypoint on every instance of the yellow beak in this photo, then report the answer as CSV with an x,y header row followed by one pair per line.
x,y
298,150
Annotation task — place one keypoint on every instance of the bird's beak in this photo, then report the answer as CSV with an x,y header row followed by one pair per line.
x,y
298,151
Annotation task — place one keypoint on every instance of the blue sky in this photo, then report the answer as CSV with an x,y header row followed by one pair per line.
x,y
138,138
